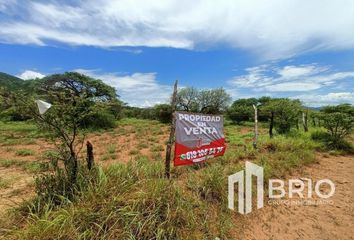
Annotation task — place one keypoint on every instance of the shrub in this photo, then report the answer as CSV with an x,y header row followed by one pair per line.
x,y
99,120
339,125
163,113
157,148
242,110
24,152
14,114
57,189
111,149
133,152
5,183
320,136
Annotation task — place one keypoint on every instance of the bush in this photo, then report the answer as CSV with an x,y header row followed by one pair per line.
x,y
55,189
344,145
332,143
242,110
24,152
14,114
339,125
283,127
99,120
163,113
320,136
338,120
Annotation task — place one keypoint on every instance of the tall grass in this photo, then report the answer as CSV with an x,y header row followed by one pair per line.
x,y
135,201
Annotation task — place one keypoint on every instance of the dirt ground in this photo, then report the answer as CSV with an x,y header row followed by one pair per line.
x,y
334,220
18,191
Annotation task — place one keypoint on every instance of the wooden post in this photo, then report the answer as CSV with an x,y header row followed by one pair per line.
x,y
255,126
89,158
172,133
304,121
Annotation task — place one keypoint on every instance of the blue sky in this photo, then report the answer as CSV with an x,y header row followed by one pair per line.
x,y
297,49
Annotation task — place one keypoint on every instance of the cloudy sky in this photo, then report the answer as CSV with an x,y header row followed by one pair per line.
x,y
281,48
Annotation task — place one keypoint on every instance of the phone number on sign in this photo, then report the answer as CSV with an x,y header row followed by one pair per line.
x,y
201,153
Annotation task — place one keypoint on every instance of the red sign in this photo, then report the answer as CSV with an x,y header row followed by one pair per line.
x,y
198,137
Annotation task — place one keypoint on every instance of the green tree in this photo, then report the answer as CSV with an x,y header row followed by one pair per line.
x,y
214,101
338,120
75,98
242,110
75,84
314,116
338,124
187,99
163,112
283,113
10,105
342,108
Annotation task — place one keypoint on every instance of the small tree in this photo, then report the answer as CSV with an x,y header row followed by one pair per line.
x,y
74,97
242,110
338,120
163,112
339,125
212,101
62,123
187,99
268,108
283,114
10,107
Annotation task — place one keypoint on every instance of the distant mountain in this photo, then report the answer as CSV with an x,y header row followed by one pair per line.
x,y
315,108
10,82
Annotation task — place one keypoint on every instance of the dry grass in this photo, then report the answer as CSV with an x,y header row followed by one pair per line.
x,y
134,201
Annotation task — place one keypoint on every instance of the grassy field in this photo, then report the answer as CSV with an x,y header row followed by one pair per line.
x,y
132,199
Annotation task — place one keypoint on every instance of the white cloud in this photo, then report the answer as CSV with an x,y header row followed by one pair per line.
x,y
289,78
137,89
4,4
29,74
288,72
272,29
293,86
316,100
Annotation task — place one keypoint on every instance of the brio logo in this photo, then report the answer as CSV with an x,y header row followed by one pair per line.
x,y
295,187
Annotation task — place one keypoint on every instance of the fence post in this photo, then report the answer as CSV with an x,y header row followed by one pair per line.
x,y
255,126
172,133
304,121
90,158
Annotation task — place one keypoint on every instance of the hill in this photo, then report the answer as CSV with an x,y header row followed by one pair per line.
x,y
10,82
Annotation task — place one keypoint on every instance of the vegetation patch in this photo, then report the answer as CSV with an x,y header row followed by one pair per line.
x,y
5,183
24,152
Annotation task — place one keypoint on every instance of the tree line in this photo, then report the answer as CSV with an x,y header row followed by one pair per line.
x,y
103,107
